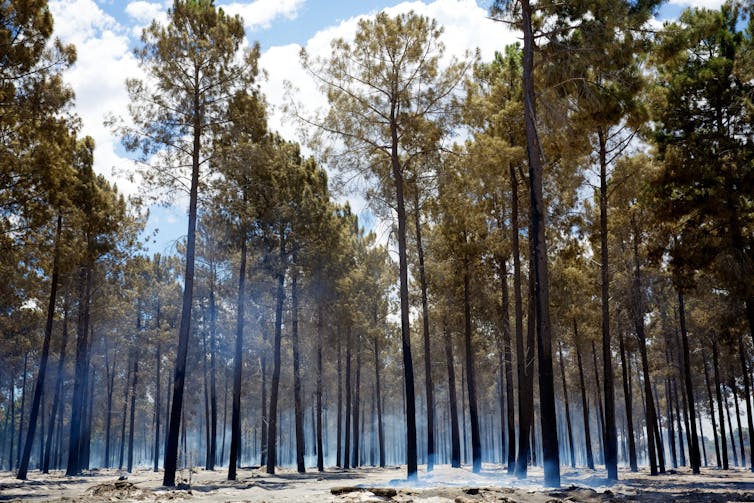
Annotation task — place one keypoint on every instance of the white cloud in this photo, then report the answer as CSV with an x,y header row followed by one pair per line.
x,y
104,62
144,12
709,4
261,13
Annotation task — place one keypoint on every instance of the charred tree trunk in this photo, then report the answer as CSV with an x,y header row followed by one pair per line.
x,y
609,430
476,444
455,437
356,402
339,446
134,382
747,397
39,386
378,398
518,314
298,408
235,428
721,412
408,365
627,394
567,406
320,443
427,348
157,400
347,442
694,445
58,391
273,414
584,402
712,415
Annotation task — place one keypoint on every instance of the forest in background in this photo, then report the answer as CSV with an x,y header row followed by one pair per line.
x,y
578,210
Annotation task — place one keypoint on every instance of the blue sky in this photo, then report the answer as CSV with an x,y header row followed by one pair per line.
x,y
105,32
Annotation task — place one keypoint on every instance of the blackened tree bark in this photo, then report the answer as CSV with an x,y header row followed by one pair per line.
x,y
356,462
132,417
39,386
429,387
347,426
609,430
476,444
298,408
235,435
378,398
723,440
58,391
273,413
455,437
584,402
157,400
320,442
339,440
548,416
747,396
567,406
712,415
629,406
694,445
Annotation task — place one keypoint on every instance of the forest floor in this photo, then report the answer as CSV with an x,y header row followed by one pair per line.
x,y
444,484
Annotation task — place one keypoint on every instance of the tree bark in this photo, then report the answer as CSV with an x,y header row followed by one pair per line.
x,y
455,437
378,398
320,442
235,428
548,416
567,406
518,312
476,445
184,330
747,397
298,408
58,391
721,413
39,386
584,403
712,415
627,394
694,446
273,413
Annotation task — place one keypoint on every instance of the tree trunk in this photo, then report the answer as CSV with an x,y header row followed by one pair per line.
x,y
378,398
184,330
548,416
320,443
58,391
355,407
712,415
347,426
212,372
627,394
235,429
747,398
427,348
601,416
298,408
39,386
738,417
584,403
273,413
669,412
133,401
730,425
694,446
455,437
408,365
610,432
125,408
526,376
157,400
476,445
721,412
80,384
518,315
567,406
339,444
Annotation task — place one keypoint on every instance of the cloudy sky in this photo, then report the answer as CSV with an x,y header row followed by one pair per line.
x,y
106,31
